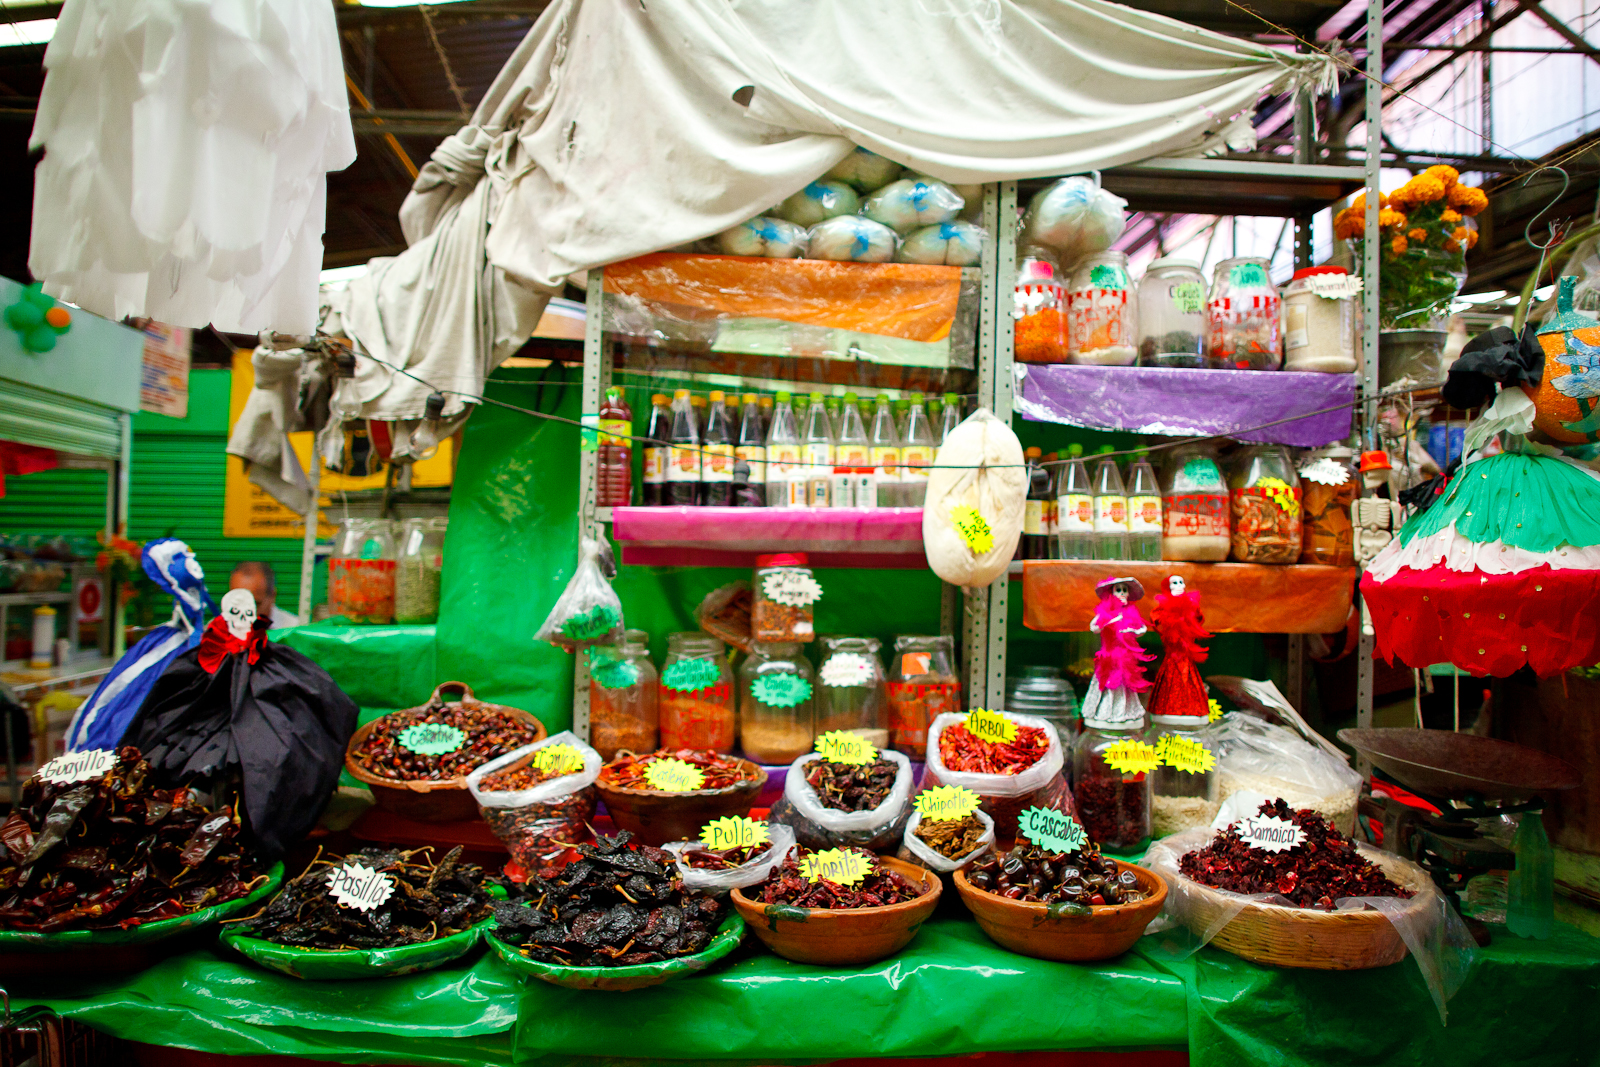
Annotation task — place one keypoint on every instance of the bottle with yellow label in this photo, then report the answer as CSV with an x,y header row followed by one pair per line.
x,y
683,456
1035,542
885,454
784,469
657,435
1144,511
917,454
1110,510
1075,509
752,446
614,460
716,457
852,449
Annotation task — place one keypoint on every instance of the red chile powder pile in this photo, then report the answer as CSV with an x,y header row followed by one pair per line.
x,y
1313,874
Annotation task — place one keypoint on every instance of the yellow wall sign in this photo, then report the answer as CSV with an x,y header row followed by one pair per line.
x,y
247,510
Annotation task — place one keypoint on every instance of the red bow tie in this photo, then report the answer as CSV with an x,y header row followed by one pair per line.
x,y
218,642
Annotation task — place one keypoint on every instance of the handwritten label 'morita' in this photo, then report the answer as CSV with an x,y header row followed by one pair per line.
x,y
78,766
990,726
1269,833
733,832
834,865
358,886
432,738
1052,830
945,802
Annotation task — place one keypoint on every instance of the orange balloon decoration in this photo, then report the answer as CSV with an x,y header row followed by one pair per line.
x,y
59,317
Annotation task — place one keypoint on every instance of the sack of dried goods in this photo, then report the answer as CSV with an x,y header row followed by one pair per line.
x,y
1271,761
1009,775
834,802
972,515
946,845
540,798
717,870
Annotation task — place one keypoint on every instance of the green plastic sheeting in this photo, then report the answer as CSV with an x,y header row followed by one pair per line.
x,y
379,666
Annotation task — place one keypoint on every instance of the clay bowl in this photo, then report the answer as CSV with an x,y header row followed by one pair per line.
x,y
843,938
446,800
1031,929
655,817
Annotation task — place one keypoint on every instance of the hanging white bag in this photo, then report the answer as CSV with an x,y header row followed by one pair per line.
x,y
972,516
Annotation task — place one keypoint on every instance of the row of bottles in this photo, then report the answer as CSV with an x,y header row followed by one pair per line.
x,y
747,450
1070,514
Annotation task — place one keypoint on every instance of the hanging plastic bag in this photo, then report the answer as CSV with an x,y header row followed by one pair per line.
x,y
757,870
972,515
914,850
539,823
589,611
818,826
1005,796
1075,217
1274,761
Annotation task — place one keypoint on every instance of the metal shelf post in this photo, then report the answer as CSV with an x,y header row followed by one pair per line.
x,y
596,379
1370,305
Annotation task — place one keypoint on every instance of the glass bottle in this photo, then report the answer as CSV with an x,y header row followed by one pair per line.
x,y
1144,511
1075,508
361,571
1329,484
1114,806
1110,509
698,405
1181,799
623,701
1530,891
784,467
752,448
1172,314
1035,542
853,449
613,471
1103,312
777,710
830,404
658,435
766,403
416,575
1052,519
1243,331
1044,693
683,466
817,450
853,691
922,685
917,454
716,457
1194,506
1039,307
701,717
949,416
1264,498
886,453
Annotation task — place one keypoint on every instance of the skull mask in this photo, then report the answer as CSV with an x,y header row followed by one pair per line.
x,y
1176,585
239,612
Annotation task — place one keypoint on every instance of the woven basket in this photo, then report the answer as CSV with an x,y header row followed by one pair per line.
x,y
1309,937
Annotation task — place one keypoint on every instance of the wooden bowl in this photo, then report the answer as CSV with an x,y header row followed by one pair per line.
x,y
446,800
655,817
843,938
1031,929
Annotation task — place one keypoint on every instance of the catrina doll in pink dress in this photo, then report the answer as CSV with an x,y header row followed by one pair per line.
x,y
1119,665
1178,689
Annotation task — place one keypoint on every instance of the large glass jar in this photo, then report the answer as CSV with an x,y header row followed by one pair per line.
x,y
1328,486
416,573
1264,492
1243,331
1183,793
1113,805
783,595
1172,315
1319,321
1194,505
623,696
777,713
922,684
361,572
1044,693
853,691
1039,307
696,694
1103,312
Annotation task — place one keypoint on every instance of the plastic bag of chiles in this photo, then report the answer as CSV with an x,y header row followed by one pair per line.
x,y
973,513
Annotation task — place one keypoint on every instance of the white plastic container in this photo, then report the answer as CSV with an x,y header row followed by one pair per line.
x,y
1319,321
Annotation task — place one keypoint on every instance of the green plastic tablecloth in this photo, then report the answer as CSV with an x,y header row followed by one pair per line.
x,y
379,666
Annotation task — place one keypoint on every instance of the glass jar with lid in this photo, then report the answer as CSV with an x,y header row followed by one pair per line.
x,y
1329,484
1113,804
623,696
1103,312
696,698
361,572
1039,307
922,684
777,713
853,691
1045,693
1172,314
781,603
1243,327
1319,321
1183,791
416,573
1264,493
1194,505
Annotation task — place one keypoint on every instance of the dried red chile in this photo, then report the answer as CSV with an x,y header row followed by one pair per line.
x,y
1313,874
724,859
1072,880
614,906
628,771
963,751
490,734
1112,811
111,853
512,780
852,786
787,885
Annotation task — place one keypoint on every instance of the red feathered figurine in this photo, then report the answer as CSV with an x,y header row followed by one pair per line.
x,y
1178,690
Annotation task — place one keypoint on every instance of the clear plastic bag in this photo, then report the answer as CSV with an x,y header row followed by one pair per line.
x,y
864,170
757,870
817,826
817,202
589,611
913,850
1005,795
536,825
764,236
952,244
1273,761
912,203
978,469
850,238
1075,217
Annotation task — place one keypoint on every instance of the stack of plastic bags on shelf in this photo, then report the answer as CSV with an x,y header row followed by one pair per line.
x,y
867,209
1073,217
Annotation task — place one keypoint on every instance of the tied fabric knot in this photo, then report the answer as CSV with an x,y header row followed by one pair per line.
x,y
1496,355
218,643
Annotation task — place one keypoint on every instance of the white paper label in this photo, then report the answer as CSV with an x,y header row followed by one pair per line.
x,y
78,766
846,668
1075,513
1334,286
1270,833
791,587
1325,471
358,886
1033,516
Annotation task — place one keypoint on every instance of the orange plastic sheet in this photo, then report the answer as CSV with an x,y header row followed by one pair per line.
x,y
905,300
1236,597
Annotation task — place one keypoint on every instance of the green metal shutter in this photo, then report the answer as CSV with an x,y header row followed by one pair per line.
x,y
34,416
61,501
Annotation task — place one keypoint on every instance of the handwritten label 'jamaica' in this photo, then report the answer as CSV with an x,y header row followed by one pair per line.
x,y
1268,833
691,675
674,776
840,746
1130,757
432,738
945,802
781,689
973,528
990,726
1185,754
1051,830
558,759
733,832
834,865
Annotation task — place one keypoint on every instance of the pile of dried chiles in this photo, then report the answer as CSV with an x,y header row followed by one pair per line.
x,y
489,734
787,885
724,859
513,779
852,786
111,852
1313,874
1030,874
951,838
628,771
962,750
614,906
428,902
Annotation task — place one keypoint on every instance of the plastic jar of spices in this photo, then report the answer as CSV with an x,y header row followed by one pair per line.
x,y
1172,315
783,595
1264,492
416,575
1194,505
361,572
1181,797
623,696
1039,307
923,685
696,694
1103,312
1319,321
777,715
1243,327
852,690
1328,486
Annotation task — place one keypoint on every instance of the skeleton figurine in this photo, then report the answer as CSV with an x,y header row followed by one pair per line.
x,y
1376,521
239,612
236,630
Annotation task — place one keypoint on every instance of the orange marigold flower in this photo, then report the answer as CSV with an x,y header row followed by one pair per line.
x,y
1447,175
1399,244
1467,200
1391,219
1472,238
1418,234
1424,188
1450,216
1450,245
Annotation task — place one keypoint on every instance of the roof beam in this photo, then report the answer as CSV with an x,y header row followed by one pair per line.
x,y
1564,31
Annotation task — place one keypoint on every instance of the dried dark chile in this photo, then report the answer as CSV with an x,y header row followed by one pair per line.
x,y
1313,874
1030,874
787,885
489,735
852,786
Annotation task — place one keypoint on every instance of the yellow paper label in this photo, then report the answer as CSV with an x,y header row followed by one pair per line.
x,y
1281,494
839,746
886,460
1185,754
733,832
834,865
1130,757
918,458
615,432
674,776
973,528
562,759
716,463
990,726
1213,710
945,802
1033,516
755,456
